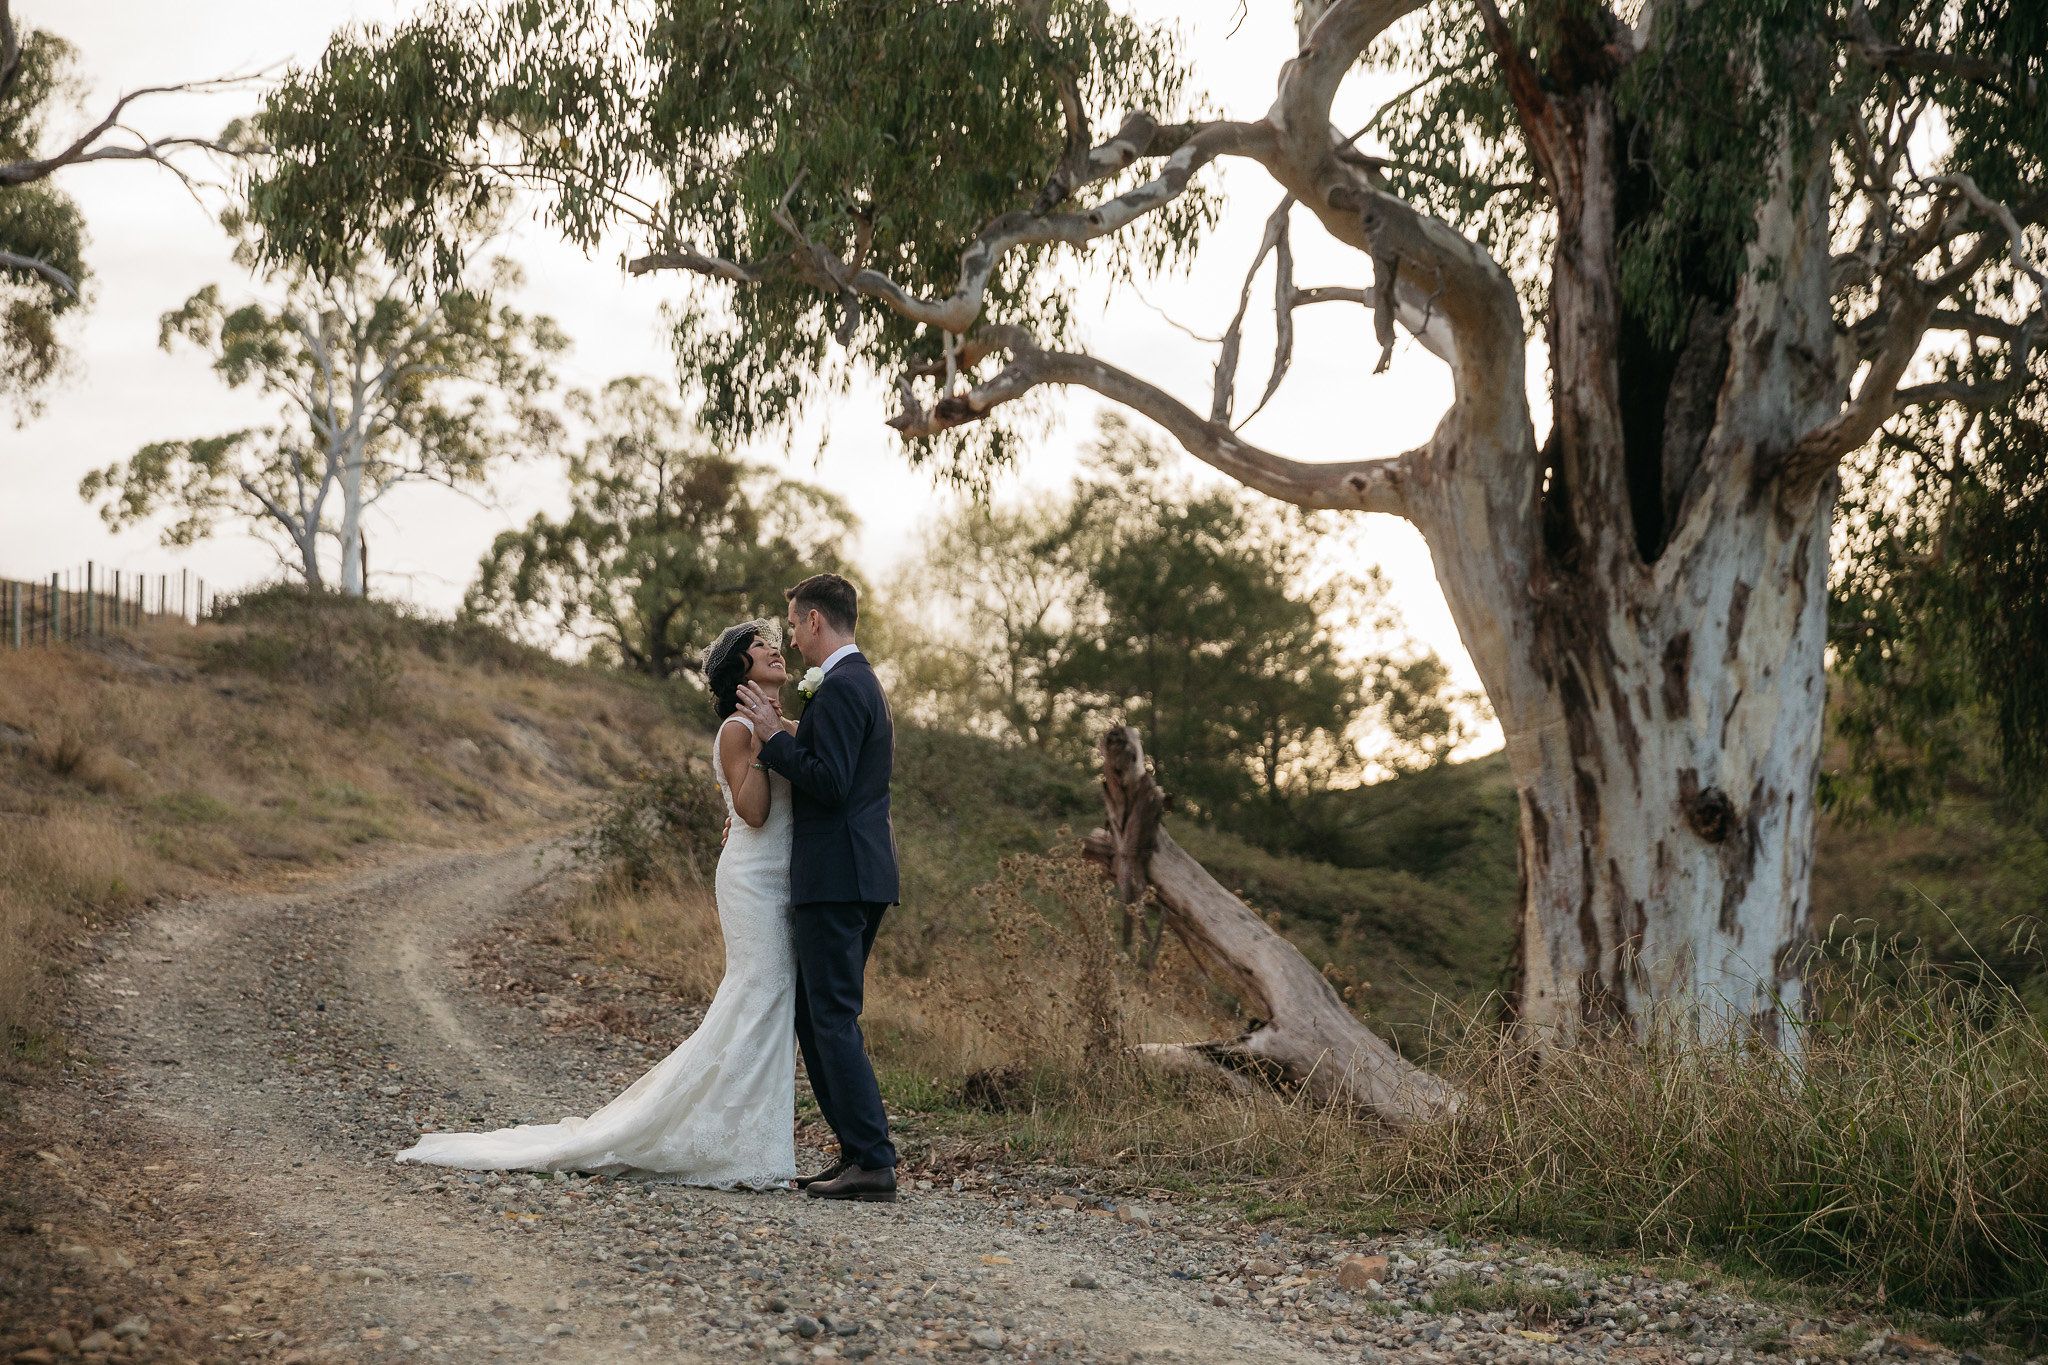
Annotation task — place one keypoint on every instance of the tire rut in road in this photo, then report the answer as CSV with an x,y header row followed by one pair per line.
x,y
296,1040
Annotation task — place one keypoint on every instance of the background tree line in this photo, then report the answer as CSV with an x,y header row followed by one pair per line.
x,y
1205,616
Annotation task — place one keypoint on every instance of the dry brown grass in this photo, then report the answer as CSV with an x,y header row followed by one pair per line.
x,y
247,751
1903,1152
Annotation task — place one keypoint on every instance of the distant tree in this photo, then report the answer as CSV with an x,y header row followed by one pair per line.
x,y
1202,627
666,540
374,390
43,272
995,588
1197,614
1940,615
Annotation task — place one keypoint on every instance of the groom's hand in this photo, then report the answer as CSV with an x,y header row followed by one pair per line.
x,y
759,710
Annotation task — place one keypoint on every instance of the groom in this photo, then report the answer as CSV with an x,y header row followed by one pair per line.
x,y
842,873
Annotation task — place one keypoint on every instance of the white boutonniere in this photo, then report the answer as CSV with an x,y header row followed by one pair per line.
x,y
808,685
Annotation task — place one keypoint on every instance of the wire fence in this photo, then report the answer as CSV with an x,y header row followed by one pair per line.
x,y
80,603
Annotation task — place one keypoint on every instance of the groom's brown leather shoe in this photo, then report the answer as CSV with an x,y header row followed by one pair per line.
x,y
876,1187
839,1167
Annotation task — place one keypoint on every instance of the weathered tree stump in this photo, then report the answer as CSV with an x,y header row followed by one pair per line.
x,y
1302,1035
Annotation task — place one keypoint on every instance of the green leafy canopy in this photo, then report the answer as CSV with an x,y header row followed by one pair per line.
x,y
666,541
37,222
891,130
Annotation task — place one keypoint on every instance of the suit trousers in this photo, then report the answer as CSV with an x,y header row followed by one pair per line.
x,y
833,940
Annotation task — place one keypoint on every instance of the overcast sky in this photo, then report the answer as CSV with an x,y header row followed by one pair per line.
x,y
152,246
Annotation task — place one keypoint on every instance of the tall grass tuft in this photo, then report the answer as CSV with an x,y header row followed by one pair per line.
x,y
1904,1153
1900,1148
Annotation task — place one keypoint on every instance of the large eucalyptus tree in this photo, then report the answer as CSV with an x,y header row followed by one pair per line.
x,y
1737,226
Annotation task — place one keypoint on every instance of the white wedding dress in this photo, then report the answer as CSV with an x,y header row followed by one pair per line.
x,y
720,1110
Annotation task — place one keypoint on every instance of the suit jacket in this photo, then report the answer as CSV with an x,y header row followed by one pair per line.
x,y
838,764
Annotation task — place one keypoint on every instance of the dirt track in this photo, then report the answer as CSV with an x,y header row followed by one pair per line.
x,y
267,1054
289,1042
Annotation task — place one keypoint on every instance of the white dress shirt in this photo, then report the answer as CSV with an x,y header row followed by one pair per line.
x,y
825,669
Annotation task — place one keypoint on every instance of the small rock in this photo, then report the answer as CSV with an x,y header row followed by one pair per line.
x,y
1356,1272
808,1326
34,1355
62,1342
1083,1280
388,1091
1263,1268
987,1338
1065,1201
102,1341
1132,1214
135,1326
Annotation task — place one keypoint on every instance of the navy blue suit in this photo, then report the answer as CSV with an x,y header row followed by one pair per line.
x,y
842,879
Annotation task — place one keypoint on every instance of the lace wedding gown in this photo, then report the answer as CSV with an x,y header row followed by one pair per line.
x,y
720,1109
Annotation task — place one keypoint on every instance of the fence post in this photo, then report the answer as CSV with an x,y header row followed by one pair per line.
x,y
14,614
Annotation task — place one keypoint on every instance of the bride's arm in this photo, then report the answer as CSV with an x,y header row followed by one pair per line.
x,y
739,753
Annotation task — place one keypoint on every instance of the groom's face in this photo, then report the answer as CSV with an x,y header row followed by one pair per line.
x,y
803,633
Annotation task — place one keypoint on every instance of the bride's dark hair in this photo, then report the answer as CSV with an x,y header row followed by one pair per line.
x,y
727,663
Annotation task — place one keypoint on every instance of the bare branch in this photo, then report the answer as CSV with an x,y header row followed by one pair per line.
x,y
10,260
1911,306
1073,170
1283,321
1309,81
1225,388
1333,293
2006,220
957,312
1867,44
86,148
696,263
1355,485
1541,120
10,48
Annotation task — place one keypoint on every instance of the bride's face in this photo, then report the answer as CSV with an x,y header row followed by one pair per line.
x,y
768,670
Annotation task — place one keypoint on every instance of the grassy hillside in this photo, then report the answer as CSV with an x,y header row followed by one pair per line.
x,y
293,734
289,735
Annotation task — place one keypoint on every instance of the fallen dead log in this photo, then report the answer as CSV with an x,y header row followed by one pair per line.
x,y
1303,1035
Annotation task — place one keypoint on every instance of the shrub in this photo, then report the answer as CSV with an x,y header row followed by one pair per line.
x,y
664,829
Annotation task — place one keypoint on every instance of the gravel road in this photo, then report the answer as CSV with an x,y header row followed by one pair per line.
x,y
275,1050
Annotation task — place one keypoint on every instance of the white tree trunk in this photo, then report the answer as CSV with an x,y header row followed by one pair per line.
x,y
351,532
1662,707
1665,752
307,542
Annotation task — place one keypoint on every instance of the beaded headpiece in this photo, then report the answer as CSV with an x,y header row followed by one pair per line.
x,y
737,637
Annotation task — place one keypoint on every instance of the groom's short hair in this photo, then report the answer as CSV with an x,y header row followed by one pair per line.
x,y
831,596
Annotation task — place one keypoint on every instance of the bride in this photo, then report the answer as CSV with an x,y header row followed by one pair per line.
x,y
720,1109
